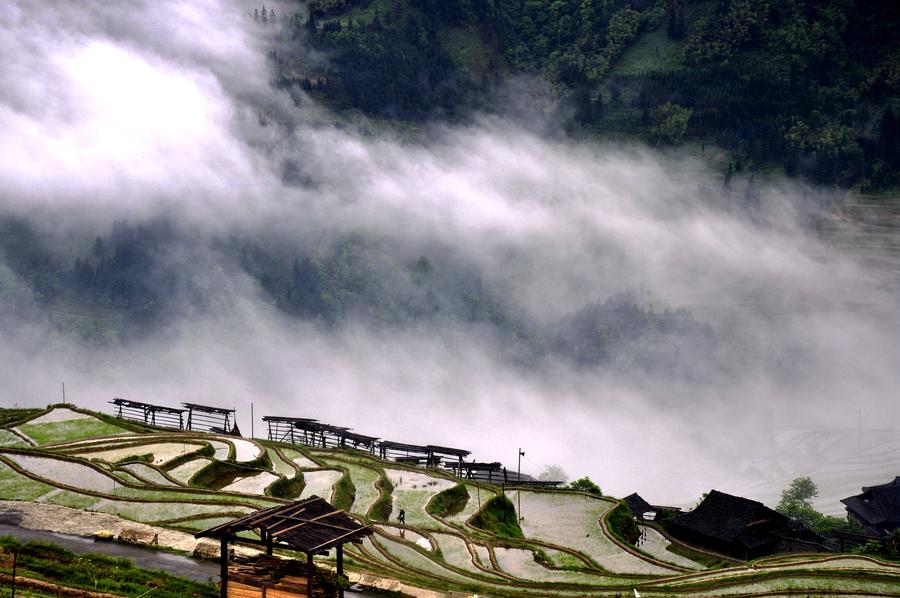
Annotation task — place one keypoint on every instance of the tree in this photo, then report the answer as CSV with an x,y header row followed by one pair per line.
x,y
553,473
801,491
796,502
421,270
669,123
586,485
675,27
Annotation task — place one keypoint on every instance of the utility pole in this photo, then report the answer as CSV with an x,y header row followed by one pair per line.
x,y
859,430
251,420
64,392
519,482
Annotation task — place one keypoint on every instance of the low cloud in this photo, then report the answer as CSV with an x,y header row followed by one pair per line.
x,y
163,110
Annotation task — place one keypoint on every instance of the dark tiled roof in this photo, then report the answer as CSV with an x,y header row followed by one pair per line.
x,y
877,505
725,517
637,504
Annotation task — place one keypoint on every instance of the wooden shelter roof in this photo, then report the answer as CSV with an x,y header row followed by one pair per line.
x,y
287,420
444,450
495,466
326,428
311,525
400,446
149,406
207,408
358,437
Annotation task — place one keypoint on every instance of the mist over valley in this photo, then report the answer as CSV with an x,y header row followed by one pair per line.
x,y
179,225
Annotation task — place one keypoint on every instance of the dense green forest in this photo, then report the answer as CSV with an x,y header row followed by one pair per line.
x,y
810,86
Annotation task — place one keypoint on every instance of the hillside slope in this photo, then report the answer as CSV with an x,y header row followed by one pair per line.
x,y
89,462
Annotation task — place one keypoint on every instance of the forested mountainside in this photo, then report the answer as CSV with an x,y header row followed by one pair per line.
x,y
808,85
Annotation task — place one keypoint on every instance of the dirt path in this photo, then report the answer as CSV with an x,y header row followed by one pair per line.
x,y
53,518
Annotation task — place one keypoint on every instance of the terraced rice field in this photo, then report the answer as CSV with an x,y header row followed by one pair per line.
x,y
364,478
255,484
184,472
320,482
62,430
572,521
565,550
412,491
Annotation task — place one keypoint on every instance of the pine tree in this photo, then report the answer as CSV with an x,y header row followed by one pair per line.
x,y
675,27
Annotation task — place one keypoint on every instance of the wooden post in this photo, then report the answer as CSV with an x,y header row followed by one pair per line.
x,y
15,561
268,538
340,569
223,566
310,567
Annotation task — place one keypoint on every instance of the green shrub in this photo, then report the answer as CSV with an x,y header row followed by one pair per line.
x,y
381,508
288,488
145,458
620,522
449,502
344,493
498,515
218,474
585,484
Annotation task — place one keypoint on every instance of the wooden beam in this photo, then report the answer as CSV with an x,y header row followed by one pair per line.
x,y
340,569
268,514
223,567
310,568
306,522
332,540
315,521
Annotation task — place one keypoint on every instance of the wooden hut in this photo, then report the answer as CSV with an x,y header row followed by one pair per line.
x,y
310,526
402,452
204,418
877,509
286,429
741,528
437,453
